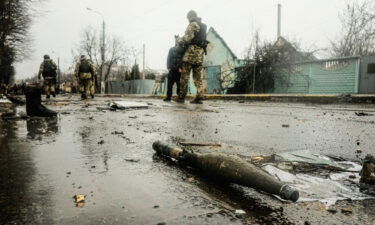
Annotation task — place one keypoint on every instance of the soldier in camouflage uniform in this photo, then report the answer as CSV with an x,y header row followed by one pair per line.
x,y
85,73
48,69
195,41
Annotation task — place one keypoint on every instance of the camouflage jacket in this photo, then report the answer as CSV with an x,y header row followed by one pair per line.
x,y
194,54
41,68
80,75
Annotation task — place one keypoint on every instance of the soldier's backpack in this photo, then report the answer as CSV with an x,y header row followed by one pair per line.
x,y
85,66
49,69
201,38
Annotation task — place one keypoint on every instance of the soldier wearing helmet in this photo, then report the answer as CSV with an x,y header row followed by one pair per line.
x,y
48,69
85,73
196,42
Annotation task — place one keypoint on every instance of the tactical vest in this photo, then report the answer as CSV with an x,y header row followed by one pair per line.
x,y
84,66
200,39
49,70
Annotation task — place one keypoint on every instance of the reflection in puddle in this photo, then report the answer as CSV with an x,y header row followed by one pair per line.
x,y
39,127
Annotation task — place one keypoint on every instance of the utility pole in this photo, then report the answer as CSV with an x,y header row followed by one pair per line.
x,y
255,66
58,73
144,61
278,20
102,49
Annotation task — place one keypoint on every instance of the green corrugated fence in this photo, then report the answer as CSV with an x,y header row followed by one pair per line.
x,y
333,76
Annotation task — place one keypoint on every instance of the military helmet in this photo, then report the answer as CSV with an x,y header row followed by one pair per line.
x,y
191,14
46,56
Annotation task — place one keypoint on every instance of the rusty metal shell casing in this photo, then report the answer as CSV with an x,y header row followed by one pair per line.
x,y
231,169
167,150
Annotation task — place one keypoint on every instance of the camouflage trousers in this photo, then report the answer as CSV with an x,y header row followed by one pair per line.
x,y
49,86
197,77
86,86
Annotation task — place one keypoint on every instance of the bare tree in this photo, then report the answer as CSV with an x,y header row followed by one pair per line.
x,y
15,21
116,52
357,36
263,62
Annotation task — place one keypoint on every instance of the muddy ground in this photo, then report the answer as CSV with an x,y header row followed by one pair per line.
x,y
108,157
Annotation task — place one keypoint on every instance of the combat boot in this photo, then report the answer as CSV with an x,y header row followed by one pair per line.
x,y
180,100
197,100
92,96
34,106
83,96
54,94
167,99
48,96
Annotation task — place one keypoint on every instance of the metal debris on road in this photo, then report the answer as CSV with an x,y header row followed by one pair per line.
x,y
6,101
79,198
305,156
132,160
199,144
14,100
8,118
239,212
363,114
347,210
122,105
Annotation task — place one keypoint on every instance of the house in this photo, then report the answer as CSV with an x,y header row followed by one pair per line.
x,y
305,74
308,75
291,52
219,65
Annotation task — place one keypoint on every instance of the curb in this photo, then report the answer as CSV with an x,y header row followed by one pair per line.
x,y
322,99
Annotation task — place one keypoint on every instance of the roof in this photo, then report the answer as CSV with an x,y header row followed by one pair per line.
x,y
281,41
222,40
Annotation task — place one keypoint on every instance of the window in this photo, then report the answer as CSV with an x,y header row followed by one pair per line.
x,y
371,68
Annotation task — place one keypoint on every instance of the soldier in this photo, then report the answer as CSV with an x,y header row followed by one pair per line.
x,y
195,40
48,70
85,73
174,66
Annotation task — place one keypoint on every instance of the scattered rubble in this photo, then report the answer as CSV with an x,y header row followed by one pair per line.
x,y
132,160
239,212
199,144
347,210
367,180
363,114
122,105
79,198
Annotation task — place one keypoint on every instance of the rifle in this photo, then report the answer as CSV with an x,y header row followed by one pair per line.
x,y
204,45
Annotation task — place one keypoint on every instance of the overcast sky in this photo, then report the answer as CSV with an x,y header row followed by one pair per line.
x,y
57,30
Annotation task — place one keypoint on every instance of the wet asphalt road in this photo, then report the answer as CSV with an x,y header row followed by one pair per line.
x,y
108,157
